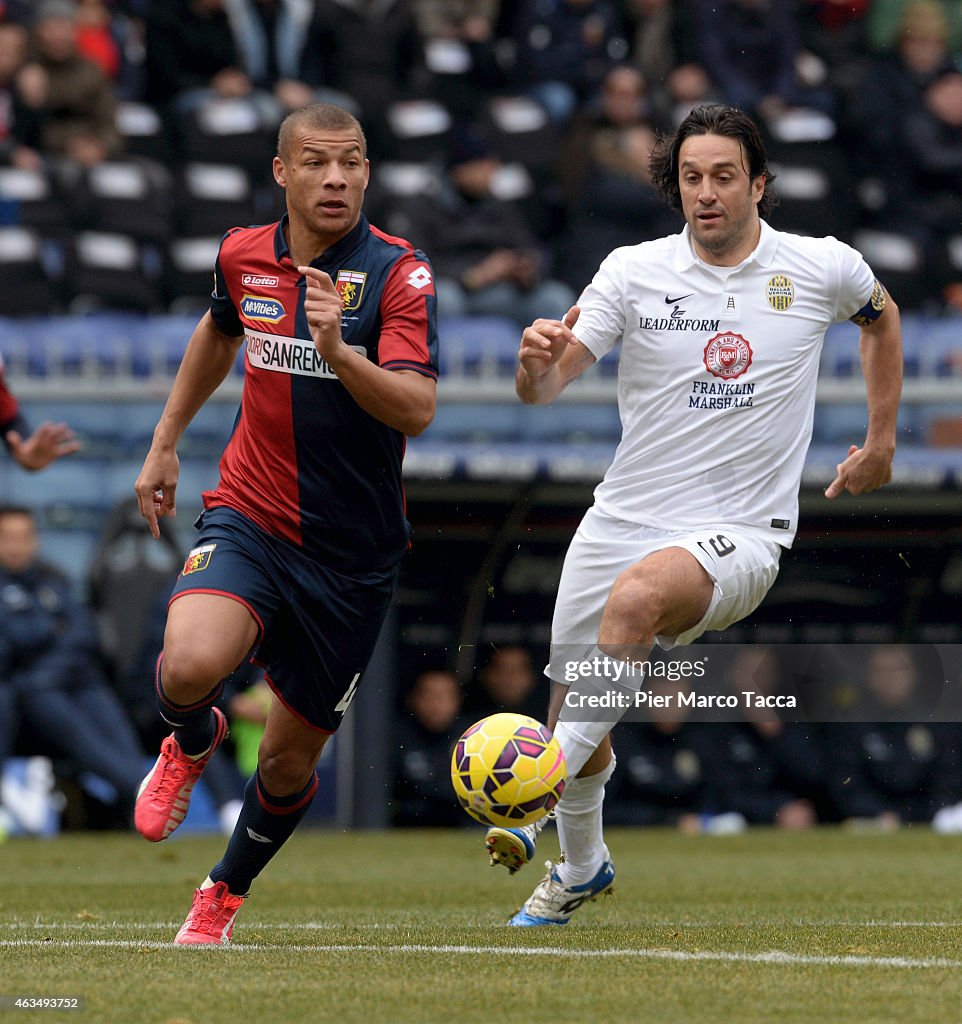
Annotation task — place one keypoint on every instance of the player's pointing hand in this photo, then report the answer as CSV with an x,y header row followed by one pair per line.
x,y
545,342
322,306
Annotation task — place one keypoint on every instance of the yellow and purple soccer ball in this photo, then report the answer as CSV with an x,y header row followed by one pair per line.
x,y
508,770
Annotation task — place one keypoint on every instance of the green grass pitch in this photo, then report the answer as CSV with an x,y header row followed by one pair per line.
x,y
397,927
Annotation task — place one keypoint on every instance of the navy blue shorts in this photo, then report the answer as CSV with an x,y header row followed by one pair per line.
x,y
317,627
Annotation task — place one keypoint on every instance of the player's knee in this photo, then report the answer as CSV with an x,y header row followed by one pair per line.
x,y
284,771
187,675
632,609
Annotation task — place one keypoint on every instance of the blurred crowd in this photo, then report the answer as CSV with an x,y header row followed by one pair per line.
x,y
511,140
875,760
871,752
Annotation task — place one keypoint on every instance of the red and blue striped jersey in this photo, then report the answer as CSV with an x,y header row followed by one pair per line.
x,y
9,407
305,461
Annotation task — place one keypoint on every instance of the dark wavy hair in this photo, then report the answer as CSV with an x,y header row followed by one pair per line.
x,y
712,119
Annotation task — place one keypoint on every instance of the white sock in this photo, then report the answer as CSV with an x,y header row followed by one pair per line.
x,y
580,738
579,819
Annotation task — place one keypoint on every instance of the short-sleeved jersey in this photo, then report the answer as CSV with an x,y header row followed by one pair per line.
x,y
717,375
305,461
9,409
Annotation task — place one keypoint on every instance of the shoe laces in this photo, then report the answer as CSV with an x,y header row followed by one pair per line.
x,y
174,770
209,907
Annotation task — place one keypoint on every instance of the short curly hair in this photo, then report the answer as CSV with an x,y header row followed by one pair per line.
x,y
712,119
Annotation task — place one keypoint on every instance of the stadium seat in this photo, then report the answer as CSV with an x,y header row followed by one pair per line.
x,y
813,184
420,130
212,198
143,132
25,286
899,262
188,269
229,131
521,131
132,197
565,421
30,198
474,346
110,270
471,421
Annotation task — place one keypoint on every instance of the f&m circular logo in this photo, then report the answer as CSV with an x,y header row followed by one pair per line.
x,y
780,292
728,355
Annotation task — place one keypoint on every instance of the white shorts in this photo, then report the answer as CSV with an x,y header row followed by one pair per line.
x,y
741,566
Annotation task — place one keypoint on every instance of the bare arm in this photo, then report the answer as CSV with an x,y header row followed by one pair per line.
x,y
880,350
207,361
402,399
550,358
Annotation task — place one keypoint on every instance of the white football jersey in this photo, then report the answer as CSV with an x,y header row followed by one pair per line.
x,y
716,384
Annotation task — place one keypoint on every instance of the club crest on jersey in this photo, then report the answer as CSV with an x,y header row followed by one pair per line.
x,y
259,307
780,292
198,559
728,355
350,286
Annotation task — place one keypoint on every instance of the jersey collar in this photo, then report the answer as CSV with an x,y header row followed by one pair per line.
x,y
763,255
336,253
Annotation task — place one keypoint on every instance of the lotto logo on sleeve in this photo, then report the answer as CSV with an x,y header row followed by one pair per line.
x,y
419,278
728,355
198,559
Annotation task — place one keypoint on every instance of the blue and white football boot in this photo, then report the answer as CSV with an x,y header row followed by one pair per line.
x,y
553,902
514,847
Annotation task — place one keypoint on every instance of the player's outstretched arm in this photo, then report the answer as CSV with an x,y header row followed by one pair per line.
x,y
207,361
549,359
402,399
49,442
880,350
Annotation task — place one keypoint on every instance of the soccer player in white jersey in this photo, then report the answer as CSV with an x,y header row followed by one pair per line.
x,y
720,327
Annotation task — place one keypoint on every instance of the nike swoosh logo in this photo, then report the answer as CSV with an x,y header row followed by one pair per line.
x,y
671,302
257,837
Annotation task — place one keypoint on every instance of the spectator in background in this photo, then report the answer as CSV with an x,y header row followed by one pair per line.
x,y
887,766
605,174
425,738
885,21
485,257
49,672
460,52
751,49
70,96
373,52
95,37
509,682
17,122
687,86
898,81
48,443
563,50
271,39
191,55
661,37
932,152
766,770
665,767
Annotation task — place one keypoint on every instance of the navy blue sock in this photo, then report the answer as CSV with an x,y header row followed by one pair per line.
x,y
193,724
266,822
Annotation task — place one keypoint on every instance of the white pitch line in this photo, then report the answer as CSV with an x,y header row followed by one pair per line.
x,y
316,926
771,957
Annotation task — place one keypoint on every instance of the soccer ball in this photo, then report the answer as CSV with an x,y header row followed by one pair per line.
x,y
508,770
